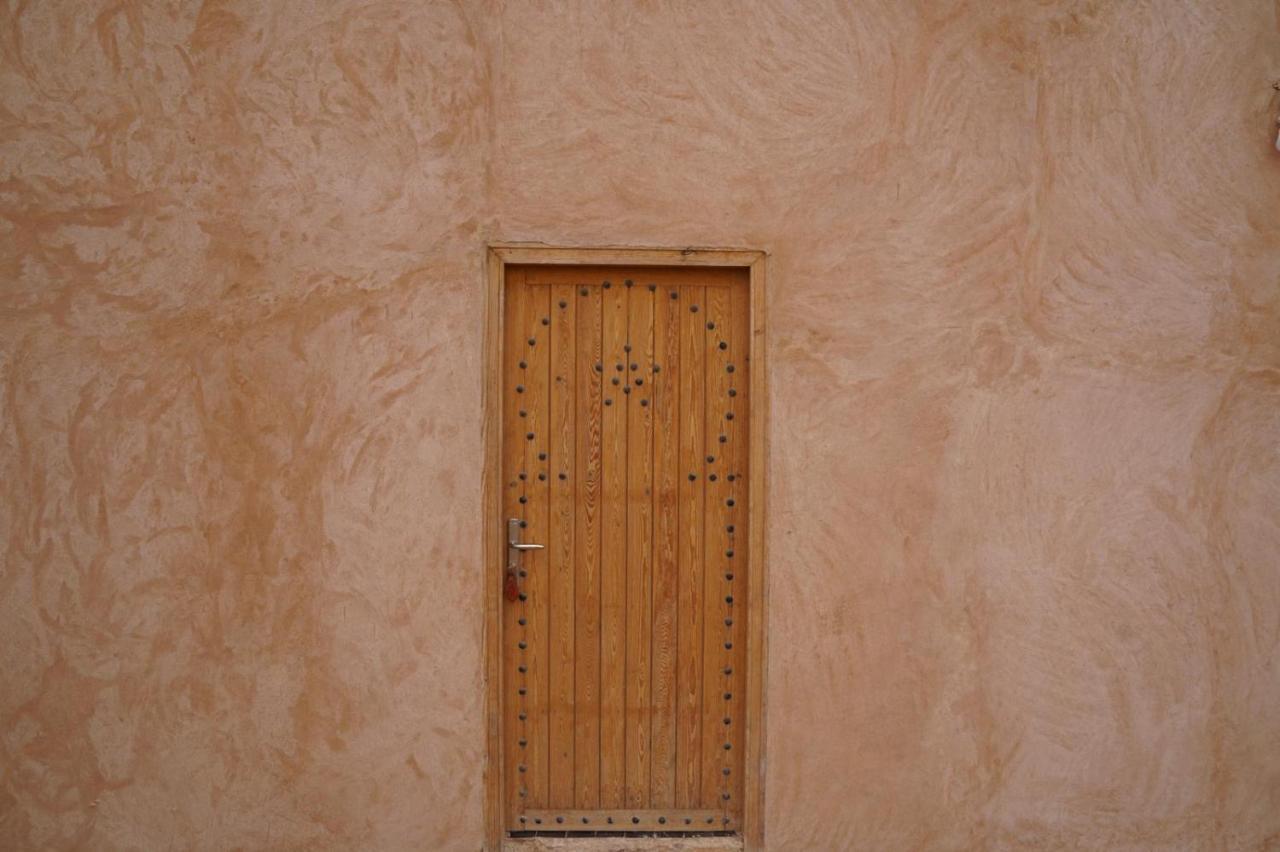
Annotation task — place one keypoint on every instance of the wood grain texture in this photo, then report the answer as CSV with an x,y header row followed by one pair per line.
x,y
690,585
585,352
1023,357
562,548
613,550
588,493
666,576
637,381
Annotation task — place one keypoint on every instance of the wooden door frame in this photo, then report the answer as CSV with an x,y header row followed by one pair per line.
x,y
498,257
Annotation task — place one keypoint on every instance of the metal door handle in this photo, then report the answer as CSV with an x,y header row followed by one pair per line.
x,y
512,585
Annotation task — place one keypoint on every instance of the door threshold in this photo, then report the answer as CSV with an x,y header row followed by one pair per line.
x,y
650,843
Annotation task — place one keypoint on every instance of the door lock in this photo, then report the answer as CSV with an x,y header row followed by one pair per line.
x,y
512,584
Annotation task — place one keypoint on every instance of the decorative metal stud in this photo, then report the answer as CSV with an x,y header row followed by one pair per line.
x,y
616,380
522,645
662,820
599,367
727,720
693,309
712,477
657,369
728,646
628,282
528,436
607,284
522,690
732,477
728,416
533,341
586,821
728,696
584,291
524,716
519,388
626,389
523,597
619,368
644,403
729,528
692,477
639,380
675,294
733,391
563,476
728,622
524,413
546,320
724,771
523,792
711,459
723,345
725,796
542,456
626,347
688,820
542,477
727,671
523,500
635,820
724,439
729,553
711,326
563,303
522,768
730,502
635,366
522,622
729,577
608,402
728,599
523,476
653,287
729,369
560,819
524,525
524,365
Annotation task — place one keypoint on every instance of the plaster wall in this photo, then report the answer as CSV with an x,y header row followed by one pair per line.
x,y
1024,341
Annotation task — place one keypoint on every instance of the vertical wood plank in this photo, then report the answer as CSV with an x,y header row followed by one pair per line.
x,y
588,496
514,614
639,538
665,377
719,609
738,459
690,549
560,543
537,320
613,547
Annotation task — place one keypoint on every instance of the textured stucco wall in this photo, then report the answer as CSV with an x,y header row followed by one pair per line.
x,y
1025,366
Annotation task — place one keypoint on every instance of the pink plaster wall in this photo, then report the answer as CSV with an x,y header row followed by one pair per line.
x,y
1025,364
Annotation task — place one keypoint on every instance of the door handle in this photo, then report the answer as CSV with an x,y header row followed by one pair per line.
x,y
511,584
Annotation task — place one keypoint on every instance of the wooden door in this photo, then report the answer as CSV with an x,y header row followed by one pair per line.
x,y
625,395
